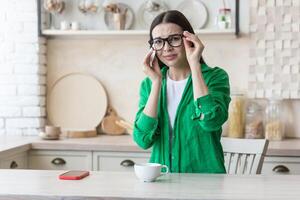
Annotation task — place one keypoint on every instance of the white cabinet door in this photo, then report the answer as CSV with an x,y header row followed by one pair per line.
x,y
60,160
281,165
118,161
17,161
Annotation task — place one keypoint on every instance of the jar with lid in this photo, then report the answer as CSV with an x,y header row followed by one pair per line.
x,y
254,121
236,115
274,125
223,20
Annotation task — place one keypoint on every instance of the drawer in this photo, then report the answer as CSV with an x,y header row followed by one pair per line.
x,y
17,161
108,161
281,165
60,160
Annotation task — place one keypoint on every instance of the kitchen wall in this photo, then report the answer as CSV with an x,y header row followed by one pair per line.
x,y
22,69
275,56
117,62
275,49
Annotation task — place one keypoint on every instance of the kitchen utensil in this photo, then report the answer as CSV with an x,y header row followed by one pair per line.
x,y
76,102
88,6
149,10
128,126
195,11
81,133
129,16
109,125
54,6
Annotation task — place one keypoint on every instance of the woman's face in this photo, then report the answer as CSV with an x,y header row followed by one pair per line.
x,y
169,55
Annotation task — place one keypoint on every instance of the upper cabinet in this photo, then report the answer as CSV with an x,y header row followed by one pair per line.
x,y
111,18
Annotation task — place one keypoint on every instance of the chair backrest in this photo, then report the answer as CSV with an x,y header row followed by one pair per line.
x,y
244,156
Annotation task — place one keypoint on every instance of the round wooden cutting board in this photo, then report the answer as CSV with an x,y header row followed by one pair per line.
x,y
76,102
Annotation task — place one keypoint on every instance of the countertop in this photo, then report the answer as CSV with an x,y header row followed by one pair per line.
x,y
44,184
13,144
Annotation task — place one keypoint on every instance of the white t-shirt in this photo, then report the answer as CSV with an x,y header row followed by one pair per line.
x,y
174,94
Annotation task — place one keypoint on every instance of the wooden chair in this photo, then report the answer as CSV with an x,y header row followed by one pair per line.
x,y
244,156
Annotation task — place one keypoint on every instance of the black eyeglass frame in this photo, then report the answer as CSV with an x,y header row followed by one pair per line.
x,y
165,40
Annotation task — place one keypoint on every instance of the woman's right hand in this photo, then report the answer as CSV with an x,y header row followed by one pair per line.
x,y
153,72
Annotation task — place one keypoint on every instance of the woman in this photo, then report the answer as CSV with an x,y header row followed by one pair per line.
x,y
183,102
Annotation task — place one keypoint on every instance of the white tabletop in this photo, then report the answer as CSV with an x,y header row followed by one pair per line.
x,y
43,184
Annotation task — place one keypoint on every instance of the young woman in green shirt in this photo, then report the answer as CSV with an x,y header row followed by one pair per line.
x,y
183,102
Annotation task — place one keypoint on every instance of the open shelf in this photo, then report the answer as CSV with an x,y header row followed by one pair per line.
x,y
226,33
212,33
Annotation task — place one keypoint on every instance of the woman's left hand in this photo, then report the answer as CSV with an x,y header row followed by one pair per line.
x,y
193,48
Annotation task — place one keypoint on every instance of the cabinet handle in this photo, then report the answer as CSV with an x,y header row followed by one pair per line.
x,y
280,169
58,161
13,165
127,163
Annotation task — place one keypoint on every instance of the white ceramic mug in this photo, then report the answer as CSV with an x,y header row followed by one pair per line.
x,y
148,172
64,25
75,25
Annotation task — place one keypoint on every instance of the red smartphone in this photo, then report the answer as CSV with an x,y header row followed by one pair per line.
x,y
74,175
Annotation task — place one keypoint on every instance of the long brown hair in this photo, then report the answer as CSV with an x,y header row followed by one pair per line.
x,y
175,17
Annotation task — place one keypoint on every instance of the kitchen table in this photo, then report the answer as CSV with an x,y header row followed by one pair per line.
x,y
44,184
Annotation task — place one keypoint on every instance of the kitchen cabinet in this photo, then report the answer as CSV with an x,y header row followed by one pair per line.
x,y
85,160
60,160
281,165
16,161
118,161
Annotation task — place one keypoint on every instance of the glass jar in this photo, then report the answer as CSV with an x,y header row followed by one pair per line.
x,y
274,125
254,121
224,18
236,116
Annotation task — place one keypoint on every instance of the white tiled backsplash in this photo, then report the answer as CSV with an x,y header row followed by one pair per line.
x,y
275,49
116,62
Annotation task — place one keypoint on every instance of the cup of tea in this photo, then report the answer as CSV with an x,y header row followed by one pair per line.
x,y
148,172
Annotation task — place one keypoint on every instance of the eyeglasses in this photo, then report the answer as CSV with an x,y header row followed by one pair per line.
x,y
173,40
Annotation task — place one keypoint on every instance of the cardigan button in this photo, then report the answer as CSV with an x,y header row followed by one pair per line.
x,y
201,116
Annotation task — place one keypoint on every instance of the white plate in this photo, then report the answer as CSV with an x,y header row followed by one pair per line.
x,y
108,17
195,11
45,137
76,102
146,15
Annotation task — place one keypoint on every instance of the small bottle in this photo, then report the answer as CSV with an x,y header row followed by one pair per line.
x,y
254,121
274,125
224,18
236,115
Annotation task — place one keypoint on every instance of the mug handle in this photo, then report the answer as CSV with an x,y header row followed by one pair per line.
x,y
167,170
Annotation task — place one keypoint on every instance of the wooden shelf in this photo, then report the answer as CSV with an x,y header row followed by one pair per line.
x,y
210,33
